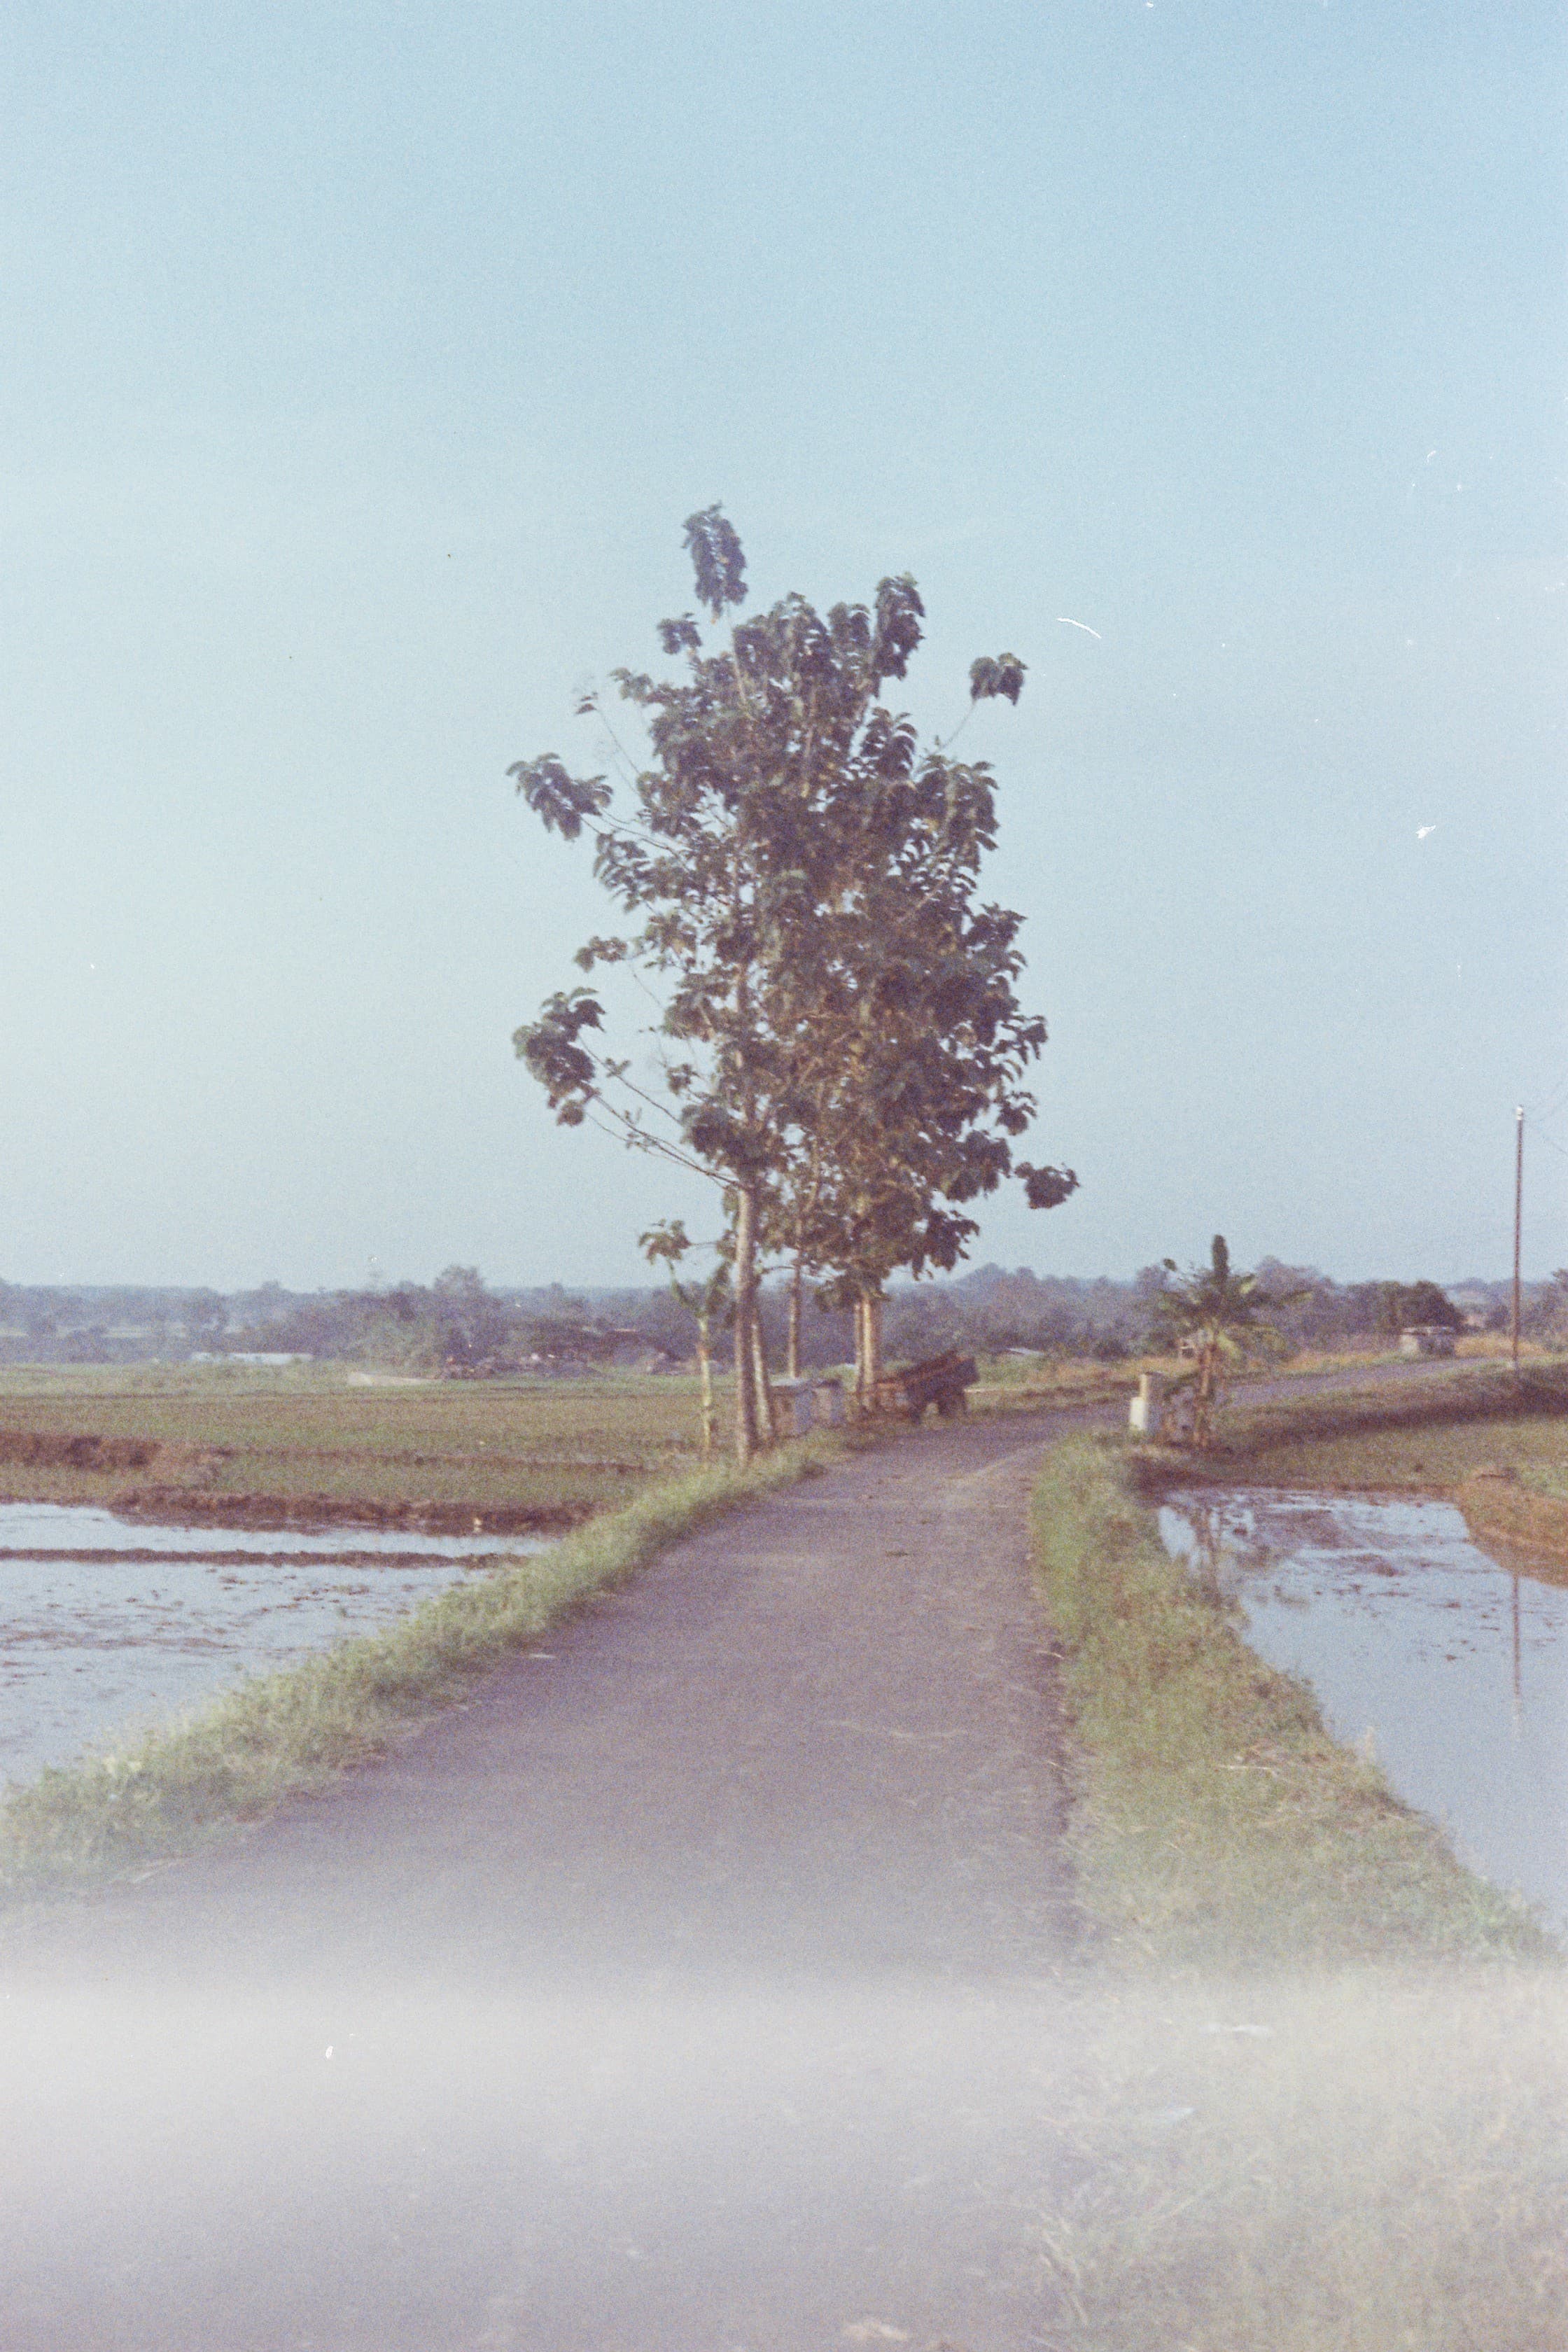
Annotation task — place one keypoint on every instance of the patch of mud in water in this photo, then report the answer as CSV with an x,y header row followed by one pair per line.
x,y
1455,1666
108,1625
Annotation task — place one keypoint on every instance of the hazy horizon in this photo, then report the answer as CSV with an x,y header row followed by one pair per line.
x,y
775,1279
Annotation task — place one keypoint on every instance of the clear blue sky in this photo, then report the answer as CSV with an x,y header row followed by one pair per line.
x,y
360,365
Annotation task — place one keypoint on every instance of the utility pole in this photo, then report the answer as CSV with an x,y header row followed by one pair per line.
x,y
1517,1219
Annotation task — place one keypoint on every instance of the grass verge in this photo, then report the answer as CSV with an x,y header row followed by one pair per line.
x,y
284,1735
1320,2076
1217,1823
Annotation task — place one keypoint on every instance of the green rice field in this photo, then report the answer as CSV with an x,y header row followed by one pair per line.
x,y
1430,1441
229,1440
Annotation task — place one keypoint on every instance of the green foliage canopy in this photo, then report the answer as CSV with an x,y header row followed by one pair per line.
x,y
843,1048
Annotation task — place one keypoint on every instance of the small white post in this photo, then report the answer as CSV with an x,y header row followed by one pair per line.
x,y
1146,1413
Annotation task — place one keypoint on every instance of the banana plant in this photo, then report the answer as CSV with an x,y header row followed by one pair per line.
x,y
1218,1316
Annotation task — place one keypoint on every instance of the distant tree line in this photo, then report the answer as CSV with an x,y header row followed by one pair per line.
x,y
460,1324
993,1310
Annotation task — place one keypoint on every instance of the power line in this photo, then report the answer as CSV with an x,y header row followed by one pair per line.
x,y
1559,1093
1541,1136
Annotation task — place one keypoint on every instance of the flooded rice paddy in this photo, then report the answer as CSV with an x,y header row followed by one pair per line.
x,y
1453,1665
108,1625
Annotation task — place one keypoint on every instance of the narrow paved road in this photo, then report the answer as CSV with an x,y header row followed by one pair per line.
x,y
693,1989
689,1990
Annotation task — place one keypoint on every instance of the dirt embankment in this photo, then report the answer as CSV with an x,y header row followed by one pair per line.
x,y
89,1449
185,1487
36,1449
249,1510
1496,1504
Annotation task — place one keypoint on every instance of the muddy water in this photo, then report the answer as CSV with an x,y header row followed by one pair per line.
x,y
108,1625
1455,1665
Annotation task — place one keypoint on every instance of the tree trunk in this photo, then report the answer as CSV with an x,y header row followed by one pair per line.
x,y
745,1278
1203,1409
796,1289
705,1377
767,1427
873,1347
860,1354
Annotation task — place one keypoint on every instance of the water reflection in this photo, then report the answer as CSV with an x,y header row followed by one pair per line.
x,y
108,1624
1455,1663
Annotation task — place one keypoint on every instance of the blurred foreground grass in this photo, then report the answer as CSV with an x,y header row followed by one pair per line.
x,y
1354,2160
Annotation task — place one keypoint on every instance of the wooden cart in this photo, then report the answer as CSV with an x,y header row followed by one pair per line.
x,y
939,1381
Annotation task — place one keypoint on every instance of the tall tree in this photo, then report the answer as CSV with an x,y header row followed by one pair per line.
x,y
918,1046
892,988
841,1037
697,868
